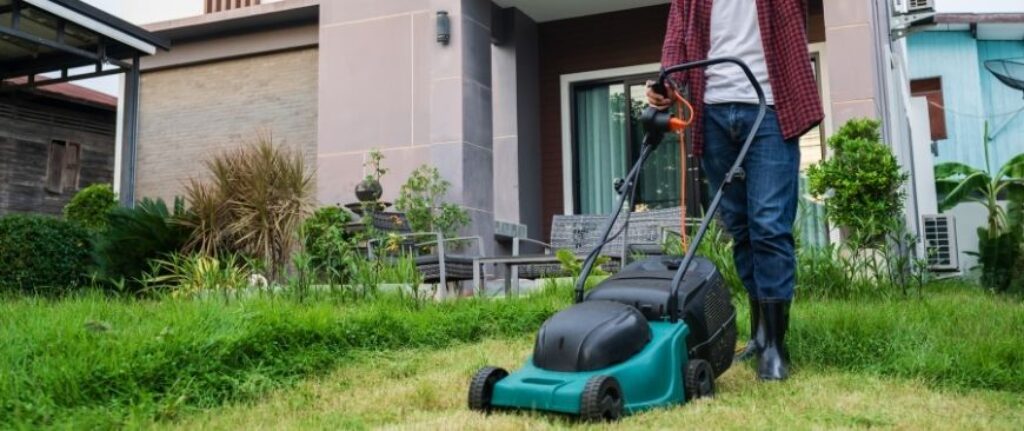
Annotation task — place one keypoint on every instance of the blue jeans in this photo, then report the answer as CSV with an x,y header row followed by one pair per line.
x,y
758,211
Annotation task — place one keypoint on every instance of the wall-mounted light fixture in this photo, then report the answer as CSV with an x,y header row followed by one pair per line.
x,y
444,27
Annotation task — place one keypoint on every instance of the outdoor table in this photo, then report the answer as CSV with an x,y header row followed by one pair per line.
x,y
509,263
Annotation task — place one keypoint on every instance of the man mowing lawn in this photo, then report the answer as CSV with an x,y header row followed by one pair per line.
x,y
770,36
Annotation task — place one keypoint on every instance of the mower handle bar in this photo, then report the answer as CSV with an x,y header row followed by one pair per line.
x,y
652,138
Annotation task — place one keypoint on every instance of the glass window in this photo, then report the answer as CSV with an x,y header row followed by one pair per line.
x,y
607,137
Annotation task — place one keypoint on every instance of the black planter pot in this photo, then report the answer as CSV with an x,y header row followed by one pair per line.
x,y
369,190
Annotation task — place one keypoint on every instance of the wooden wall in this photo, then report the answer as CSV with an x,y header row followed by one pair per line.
x,y
27,126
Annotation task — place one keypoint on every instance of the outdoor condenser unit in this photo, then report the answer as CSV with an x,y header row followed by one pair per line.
x,y
940,242
912,6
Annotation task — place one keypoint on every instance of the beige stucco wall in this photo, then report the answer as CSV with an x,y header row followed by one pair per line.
x,y
189,113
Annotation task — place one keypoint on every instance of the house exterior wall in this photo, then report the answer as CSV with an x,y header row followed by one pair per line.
x,y
386,83
853,68
514,81
191,112
28,128
971,95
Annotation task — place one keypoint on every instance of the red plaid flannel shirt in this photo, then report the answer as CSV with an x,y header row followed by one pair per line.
x,y
784,36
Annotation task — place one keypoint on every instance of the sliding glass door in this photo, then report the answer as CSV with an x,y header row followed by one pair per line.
x,y
607,137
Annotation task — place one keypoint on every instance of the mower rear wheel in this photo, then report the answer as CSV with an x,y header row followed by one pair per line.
x,y
601,400
699,379
481,388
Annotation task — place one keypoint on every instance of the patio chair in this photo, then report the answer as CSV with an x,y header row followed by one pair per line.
x,y
431,252
577,233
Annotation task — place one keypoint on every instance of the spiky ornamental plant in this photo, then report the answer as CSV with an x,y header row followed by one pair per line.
x,y
253,203
1000,243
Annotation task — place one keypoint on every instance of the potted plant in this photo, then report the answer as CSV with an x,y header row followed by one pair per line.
x,y
370,190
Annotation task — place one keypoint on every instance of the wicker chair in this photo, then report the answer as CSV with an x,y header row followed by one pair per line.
x,y
581,233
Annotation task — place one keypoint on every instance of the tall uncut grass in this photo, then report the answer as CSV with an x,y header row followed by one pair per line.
x,y
97,362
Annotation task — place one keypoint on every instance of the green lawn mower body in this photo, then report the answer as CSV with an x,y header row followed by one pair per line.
x,y
651,378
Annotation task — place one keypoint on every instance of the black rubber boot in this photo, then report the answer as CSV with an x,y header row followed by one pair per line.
x,y
756,342
774,361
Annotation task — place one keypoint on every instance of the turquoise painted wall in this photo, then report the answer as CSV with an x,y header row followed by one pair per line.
x,y
971,94
1004,103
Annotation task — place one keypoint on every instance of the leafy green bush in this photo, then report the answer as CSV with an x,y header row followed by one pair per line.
x,y
137,236
329,247
43,255
90,206
420,198
861,183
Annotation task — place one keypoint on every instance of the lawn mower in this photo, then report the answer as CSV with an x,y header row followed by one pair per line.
x,y
656,334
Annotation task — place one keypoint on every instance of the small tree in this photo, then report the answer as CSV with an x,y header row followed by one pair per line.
x,y
862,183
999,244
420,198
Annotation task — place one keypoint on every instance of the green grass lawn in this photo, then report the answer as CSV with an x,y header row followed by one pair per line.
x,y
426,389
954,359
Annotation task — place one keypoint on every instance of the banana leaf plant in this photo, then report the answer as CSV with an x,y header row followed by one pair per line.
x,y
999,244
957,183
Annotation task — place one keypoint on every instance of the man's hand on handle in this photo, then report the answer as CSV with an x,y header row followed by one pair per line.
x,y
656,99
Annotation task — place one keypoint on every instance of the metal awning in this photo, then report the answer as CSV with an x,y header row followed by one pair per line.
x,y
45,42
57,36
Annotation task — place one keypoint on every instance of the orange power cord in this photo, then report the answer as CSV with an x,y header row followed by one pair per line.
x,y
679,125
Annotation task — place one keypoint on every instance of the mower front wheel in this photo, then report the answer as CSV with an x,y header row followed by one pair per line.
x,y
601,400
481,388
700,380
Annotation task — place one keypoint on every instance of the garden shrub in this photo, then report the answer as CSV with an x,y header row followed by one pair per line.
x,y
329,247
861,183
420,198
90,206
137,236
42,255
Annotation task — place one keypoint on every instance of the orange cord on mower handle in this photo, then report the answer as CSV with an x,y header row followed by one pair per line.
x,y
678,124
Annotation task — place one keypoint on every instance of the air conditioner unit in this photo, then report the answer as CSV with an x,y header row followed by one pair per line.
x,y
912,6
940,242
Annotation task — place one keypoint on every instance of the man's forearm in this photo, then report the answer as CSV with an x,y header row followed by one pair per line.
x,y
672,50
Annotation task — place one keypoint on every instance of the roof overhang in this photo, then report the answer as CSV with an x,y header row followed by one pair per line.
x,y
984,26
550,10
46,36
263,17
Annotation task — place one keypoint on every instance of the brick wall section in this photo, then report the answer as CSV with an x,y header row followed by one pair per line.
x,y
190,113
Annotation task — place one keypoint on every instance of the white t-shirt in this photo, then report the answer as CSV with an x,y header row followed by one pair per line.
x,y
735,32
